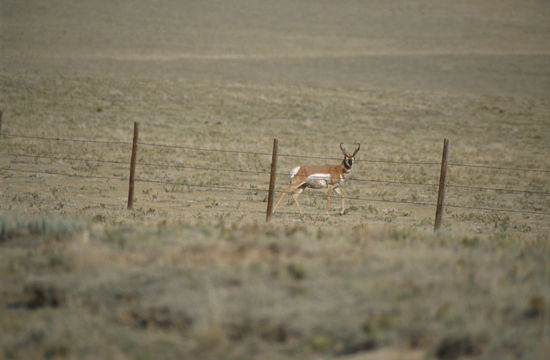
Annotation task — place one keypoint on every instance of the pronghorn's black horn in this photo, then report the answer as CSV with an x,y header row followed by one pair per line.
x,y
342,148
356,150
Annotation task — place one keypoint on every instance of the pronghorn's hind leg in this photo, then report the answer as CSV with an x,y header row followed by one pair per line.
x,y
339,192
295,195
291,187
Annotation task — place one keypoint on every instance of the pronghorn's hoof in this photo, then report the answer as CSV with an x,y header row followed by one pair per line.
x,y
342,212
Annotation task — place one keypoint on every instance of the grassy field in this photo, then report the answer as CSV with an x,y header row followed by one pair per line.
x,y
193,271
397,130
254,291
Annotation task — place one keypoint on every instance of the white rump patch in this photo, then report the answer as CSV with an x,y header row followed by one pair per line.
x,y
292,173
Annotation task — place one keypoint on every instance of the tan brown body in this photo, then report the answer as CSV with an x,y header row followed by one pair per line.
x,y
319,177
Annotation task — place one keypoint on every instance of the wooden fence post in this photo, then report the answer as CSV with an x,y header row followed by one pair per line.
x,y
133,167
272,179
442,181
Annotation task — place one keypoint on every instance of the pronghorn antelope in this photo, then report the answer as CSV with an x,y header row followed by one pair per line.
x,y
319,177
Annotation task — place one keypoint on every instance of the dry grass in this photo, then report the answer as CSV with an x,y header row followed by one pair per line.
x,y
236,291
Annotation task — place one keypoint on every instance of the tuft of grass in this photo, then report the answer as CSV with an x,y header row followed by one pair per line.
x,y
12,225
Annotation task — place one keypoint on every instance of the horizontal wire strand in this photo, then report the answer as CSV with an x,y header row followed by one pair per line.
x,y
265,190
499,189
499,167
497,209
55,157
268,153
67,140
392,182
218,186
177,166
65,174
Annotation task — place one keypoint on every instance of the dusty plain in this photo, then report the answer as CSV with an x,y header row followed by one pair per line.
x,y
193,271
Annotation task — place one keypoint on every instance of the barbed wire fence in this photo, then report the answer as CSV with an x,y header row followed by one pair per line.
x,y
258,186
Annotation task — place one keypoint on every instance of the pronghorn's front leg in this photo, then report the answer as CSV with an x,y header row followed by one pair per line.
x,y
291,187
330,187
339,191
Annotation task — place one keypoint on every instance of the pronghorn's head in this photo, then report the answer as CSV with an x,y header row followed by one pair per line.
x,y
348,157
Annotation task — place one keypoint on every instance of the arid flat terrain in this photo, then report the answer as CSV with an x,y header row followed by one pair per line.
x,y
193,270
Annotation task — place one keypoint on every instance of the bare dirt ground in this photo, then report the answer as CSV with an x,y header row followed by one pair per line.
x,y
397,76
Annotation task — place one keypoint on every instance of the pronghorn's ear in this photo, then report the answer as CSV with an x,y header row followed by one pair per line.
x,y
356,150
342,148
